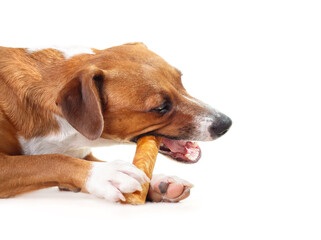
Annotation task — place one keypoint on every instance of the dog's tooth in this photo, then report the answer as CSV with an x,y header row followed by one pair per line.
x,y
192,144
191,157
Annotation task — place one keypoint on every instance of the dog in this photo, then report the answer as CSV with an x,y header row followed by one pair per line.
x,y
55,105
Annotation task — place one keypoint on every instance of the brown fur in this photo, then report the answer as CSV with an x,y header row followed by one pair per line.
x,y
42,171
96,94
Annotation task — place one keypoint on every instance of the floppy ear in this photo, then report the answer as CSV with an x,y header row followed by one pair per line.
x,y
81,101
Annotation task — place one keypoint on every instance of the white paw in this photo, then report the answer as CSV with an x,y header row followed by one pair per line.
x,y
110,179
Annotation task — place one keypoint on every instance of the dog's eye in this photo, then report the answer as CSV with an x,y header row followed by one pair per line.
x,y
162,109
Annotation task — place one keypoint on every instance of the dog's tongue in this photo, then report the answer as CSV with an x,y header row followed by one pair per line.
x,y
183,150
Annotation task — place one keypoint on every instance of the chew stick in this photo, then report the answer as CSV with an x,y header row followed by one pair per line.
x,y
145,158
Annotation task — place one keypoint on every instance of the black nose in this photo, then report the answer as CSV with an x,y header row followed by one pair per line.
x,y
220,126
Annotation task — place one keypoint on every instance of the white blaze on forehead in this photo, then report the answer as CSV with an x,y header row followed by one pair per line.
x,y
68,52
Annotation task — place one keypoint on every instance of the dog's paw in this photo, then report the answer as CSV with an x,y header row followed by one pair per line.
x,y
110,180
168,189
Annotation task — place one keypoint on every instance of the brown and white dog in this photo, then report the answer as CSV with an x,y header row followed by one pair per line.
x,y
55,105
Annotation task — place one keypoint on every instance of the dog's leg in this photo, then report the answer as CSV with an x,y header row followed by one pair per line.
x,y
89,157
168,189
21,174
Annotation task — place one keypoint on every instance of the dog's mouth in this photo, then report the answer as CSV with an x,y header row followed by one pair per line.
x,y
180,150
184,151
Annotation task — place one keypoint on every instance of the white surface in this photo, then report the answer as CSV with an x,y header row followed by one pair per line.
x,y
257,61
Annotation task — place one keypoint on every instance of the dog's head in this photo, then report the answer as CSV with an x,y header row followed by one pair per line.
x,y
126,92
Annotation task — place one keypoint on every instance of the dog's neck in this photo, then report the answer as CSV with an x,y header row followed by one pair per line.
x,y
66,141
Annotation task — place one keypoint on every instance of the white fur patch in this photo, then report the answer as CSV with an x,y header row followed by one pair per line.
x,y
68,141
68,52
110,180
203,125
203,122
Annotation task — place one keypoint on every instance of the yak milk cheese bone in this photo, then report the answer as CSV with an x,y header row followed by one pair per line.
x,y
145,158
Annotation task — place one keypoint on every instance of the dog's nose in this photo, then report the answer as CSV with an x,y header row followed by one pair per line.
x,y
220,126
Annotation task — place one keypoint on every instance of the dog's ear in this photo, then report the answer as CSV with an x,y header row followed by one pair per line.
x,y
82,102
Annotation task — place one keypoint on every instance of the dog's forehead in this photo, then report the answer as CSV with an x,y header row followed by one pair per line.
x,y
133,71
140,64
143,80
139,54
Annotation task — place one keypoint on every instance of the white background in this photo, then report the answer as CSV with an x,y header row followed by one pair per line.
x,y
256,61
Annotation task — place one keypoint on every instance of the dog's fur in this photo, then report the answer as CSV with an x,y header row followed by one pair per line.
x,y
55,106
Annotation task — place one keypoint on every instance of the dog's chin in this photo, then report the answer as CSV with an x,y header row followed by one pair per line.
x,y
181,150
